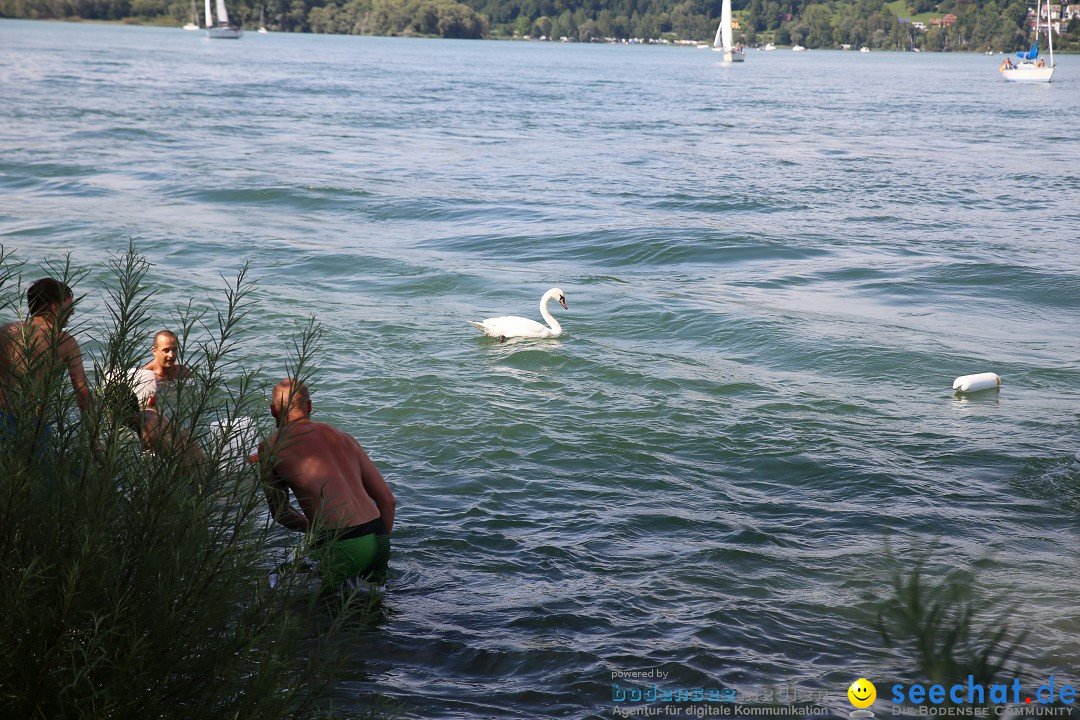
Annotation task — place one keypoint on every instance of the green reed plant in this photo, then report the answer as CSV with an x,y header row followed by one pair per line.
x,y
946,622
133,584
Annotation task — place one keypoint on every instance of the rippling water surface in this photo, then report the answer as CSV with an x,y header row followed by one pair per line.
x,y
774,271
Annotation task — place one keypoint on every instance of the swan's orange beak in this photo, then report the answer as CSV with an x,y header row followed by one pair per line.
x,y
562,301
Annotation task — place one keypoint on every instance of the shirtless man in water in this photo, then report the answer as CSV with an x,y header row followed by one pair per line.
x,y
33,352
154,386
166,347
160,372
339,489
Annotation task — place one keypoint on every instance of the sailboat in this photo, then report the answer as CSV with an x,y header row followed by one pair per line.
x,y
723,42
262,14
1032,68
194,24
222,29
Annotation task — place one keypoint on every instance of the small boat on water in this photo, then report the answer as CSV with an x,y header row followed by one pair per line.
x,y
194,24
222,29
723,41
262,15
1032,68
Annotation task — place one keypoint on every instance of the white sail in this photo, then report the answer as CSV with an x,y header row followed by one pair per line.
x,y
725,25
723,42
220,27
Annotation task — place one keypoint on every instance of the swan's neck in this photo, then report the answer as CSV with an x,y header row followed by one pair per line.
x,y
548,318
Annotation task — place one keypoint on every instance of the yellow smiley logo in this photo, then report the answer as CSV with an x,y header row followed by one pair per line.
x,y
862,693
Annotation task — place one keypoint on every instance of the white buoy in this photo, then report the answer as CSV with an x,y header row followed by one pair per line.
x,y
977,382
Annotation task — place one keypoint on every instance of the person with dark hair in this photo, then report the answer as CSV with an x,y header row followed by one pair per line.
x,y
44,293
34,351
340,491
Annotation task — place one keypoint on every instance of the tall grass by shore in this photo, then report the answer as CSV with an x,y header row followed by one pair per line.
x,y
134,584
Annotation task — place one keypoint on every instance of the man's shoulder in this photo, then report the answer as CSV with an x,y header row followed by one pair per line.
x,y
313,431
334,430
266,443
69,346
17,328
9,333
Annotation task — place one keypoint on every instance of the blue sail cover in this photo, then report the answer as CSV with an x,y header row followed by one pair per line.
x,y
1031,54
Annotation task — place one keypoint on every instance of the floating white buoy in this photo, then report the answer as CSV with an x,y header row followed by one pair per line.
x,y
977,382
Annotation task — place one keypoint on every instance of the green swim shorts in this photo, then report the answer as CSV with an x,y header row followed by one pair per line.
x,y
361,552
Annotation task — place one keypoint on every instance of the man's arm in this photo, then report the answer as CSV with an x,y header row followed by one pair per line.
x,y
378,490
73,356
277,497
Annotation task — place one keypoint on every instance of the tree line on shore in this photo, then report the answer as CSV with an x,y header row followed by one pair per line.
x,y
974,25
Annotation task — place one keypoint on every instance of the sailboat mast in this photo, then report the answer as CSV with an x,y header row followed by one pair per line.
x,y
1038,16
1049,34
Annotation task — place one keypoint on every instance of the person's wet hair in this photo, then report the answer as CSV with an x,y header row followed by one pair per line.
x,y
45,292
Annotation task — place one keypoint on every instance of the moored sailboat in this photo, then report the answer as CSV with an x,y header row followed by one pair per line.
x,y
194,24
1032,68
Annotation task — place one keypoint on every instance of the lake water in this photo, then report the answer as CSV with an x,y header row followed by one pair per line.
x,y
774,271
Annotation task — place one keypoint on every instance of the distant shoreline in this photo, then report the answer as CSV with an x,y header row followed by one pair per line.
x,y
172,23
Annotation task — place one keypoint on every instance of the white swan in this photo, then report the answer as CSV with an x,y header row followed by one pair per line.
x,y
513,326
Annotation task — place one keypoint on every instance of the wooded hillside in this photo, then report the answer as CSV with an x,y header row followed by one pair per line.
x,y
950,25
